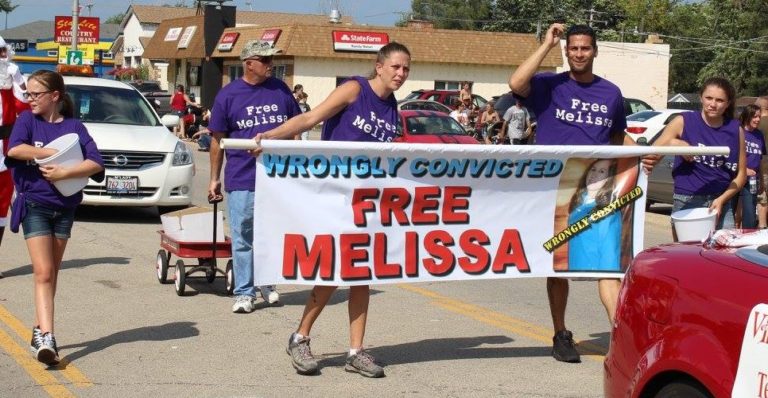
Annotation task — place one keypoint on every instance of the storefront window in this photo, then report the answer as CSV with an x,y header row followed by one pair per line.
x,y
235,72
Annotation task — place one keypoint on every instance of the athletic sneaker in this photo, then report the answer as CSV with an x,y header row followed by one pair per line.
x,y
37,339
301,355
269,294
48,353
563,347
365,364
244,304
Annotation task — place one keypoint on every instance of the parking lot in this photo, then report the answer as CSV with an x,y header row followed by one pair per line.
x,y
123,334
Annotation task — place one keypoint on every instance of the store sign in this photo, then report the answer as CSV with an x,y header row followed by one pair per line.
x,y
87,30
359,41
186,37
19,46
228,41
172,34
270,36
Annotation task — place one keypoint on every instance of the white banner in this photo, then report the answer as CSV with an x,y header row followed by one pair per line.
x,y
349,213
752,372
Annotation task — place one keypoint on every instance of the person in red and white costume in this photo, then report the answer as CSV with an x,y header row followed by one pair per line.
x,y
13,86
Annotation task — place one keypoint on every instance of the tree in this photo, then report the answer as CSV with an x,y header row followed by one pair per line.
x,y
115,19
529,16
7,8
450,14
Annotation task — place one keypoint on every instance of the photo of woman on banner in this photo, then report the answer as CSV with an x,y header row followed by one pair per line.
x,y
605,244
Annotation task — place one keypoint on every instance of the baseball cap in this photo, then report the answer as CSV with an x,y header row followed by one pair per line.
x,y
255,48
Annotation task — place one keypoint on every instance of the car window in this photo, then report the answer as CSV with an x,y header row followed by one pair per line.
x,y
451,100
413,95
642,116
112,105
433,97
435,125
632,105
479,101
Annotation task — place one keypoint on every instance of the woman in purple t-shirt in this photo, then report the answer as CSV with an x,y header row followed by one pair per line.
x,y
744,204
708,180
45,215
356,98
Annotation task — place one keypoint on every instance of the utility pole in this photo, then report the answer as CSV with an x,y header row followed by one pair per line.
x,y
75,22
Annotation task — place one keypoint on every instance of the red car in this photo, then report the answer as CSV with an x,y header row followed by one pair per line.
x,y
446,97
431,127
689,317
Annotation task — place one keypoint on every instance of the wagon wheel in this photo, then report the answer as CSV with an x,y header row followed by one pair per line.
x,y
181,278
162,266
230,278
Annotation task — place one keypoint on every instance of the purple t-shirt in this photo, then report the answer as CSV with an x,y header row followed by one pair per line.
x,y
243,110
572,113
754,142
710,174
32,130
369,118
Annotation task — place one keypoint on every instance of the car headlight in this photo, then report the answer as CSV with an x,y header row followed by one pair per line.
x,y
181,155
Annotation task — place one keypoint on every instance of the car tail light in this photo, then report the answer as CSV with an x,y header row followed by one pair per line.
x,y
636,130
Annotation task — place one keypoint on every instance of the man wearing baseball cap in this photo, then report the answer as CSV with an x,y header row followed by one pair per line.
x,y
248,106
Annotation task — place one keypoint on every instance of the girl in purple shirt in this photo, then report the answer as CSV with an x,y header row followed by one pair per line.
x,y
44,214
354,99
745,202
711,180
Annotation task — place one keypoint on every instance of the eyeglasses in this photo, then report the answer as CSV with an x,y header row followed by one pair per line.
x,y
34,96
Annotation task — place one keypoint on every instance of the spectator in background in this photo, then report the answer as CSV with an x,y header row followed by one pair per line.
x,y
304,106
235,103
12,88
517,125
744,203
465,95
203,136
762,197
487,119
460,114
179,102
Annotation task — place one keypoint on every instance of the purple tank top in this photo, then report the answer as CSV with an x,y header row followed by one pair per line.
x,y
754,144
369,118
707,175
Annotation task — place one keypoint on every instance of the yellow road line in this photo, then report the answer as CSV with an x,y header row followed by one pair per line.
x,y
41,376
69,371
505,322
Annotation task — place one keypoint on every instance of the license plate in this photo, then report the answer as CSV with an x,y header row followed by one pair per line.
x,y
122,185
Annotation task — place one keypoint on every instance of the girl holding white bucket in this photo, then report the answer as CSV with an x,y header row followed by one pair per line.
x,y
708,181
45,214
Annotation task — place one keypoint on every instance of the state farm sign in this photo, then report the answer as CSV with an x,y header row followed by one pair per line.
x,y
87,30
359,41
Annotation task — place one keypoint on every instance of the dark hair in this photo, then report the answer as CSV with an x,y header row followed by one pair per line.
x,y
605,195
180,87
54,82
581,30
386,51
297,88
726,86
748,113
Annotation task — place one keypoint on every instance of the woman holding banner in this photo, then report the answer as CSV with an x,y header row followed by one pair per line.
x,y
354,99
708,181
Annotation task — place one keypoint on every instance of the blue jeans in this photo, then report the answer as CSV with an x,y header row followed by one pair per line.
x,y
240,207
682,202
45,221
748,207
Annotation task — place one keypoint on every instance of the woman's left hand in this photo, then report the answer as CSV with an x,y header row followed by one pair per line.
x,y
53,172
716,207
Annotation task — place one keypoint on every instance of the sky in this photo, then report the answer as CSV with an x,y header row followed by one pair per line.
x,y
370,12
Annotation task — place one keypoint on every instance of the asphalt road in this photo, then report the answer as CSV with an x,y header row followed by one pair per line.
x,y
123,334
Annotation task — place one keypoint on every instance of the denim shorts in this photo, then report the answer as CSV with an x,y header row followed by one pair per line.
x,y
44,221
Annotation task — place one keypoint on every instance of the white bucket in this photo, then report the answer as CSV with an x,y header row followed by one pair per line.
x,y
68,155
693,224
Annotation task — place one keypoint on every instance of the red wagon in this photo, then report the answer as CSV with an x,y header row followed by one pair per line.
x,y
206,254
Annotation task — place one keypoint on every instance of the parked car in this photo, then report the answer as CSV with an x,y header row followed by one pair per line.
x,y
145,164
151,90
660,182
645,126
634,105
445,97
422,105
431,127
687,319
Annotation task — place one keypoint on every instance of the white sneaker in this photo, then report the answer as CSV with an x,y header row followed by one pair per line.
x,y
244,304
269,294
